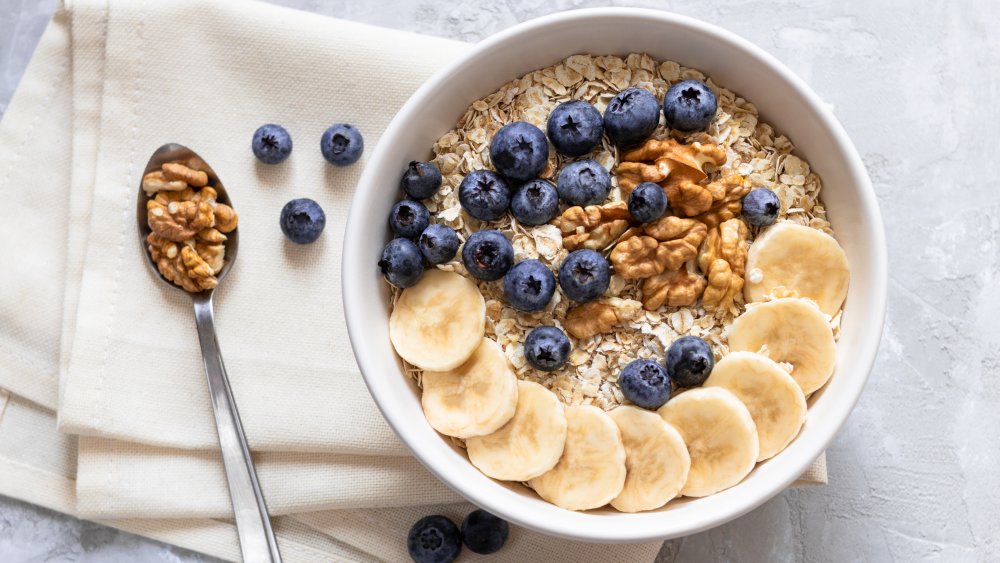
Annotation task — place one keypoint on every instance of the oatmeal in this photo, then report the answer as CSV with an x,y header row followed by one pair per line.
x,y
624,325
752,150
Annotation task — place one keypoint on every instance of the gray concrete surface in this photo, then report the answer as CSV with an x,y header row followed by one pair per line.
x,y
914,474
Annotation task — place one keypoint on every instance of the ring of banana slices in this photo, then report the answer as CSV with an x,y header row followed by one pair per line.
x,y
702,441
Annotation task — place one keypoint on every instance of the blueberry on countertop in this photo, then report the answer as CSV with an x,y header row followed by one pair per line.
x,y
689,106
271,143
342,144
575,127
529,285
488,255
434,539
421,179
546,348
645,383
761,207
535,202
438,243
401,263
483,532
302,220
647,202
409,218
484,195
519,151
584,182
584,275
689,361
631,116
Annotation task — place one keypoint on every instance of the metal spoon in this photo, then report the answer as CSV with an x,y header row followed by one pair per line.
x,y
253,524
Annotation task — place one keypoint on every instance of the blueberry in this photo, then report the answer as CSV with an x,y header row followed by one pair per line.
x,y
302,220
645,383
341,144
421,179
761,207
536,202
529,286
401,263
575,128
438,243
584,182
483,532
271,143
631,116
434,539
584,275
519,151
689,106
647,202
487,255
484,195
689,361
409,218
546,348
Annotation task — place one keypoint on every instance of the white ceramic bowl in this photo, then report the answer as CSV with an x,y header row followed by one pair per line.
x,y
783,100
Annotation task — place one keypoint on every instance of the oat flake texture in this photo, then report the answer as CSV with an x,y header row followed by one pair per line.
x,y
753,149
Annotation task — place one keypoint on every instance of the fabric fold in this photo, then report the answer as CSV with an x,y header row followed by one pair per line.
x,y
129,480
34,176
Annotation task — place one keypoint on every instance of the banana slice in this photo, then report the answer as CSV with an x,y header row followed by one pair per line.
x,y
474,399
591,470
794,331
656,460
529,444
720,436
437,324
775,401
801,260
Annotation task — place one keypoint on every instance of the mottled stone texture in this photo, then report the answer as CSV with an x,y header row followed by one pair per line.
x,y
913,474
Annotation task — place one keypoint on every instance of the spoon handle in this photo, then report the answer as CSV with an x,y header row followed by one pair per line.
x,y
253,524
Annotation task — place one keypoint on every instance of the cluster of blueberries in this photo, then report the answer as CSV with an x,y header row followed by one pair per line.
x,y
436,539
302,220
519,151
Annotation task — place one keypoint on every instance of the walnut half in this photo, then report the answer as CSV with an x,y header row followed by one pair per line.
x,y
727,200
668,243
179,220
601,316
679,288
595,227
680,170
181,264
677,167
723,259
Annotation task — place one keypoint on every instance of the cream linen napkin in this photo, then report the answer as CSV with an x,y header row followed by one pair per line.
x,y
134,374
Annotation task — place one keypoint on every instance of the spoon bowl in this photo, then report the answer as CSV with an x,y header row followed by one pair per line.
x,y
174,152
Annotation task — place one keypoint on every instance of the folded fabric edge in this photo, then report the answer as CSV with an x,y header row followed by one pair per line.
x,y
126,480
88,52
26,373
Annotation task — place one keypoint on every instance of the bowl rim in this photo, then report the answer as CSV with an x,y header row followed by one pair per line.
x,y
353,285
